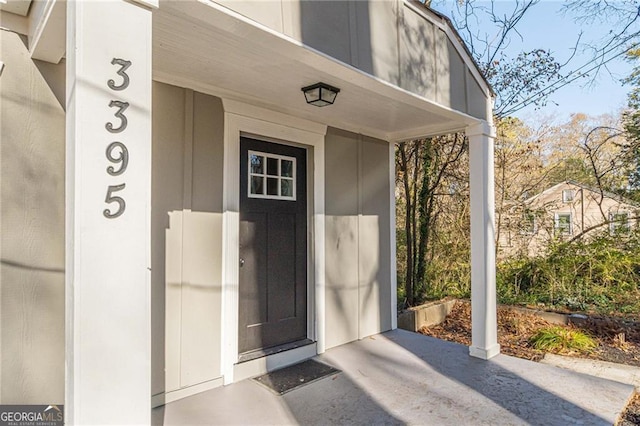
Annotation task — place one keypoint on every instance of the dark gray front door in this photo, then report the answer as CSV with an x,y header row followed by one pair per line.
x,y
273,245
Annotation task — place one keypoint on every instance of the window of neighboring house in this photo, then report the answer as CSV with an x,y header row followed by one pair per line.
x,y
563,223
529,223
618,223
567,195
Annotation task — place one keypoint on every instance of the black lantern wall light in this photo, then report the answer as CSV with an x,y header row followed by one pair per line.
x,y
320,94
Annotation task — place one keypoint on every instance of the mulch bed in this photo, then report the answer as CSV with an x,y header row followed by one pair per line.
x,y
631,416
618,340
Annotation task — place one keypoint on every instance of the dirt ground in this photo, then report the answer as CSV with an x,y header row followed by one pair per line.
x,y
618,341
631,416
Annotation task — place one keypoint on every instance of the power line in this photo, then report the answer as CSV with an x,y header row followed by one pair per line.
x,y
605,52
563,81
558,84
569,79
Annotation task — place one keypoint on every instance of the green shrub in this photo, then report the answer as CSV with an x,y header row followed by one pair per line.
x,y
600,275
447,278
559,339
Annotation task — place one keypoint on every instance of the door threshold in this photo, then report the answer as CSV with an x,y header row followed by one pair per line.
x,y
260,353
284,358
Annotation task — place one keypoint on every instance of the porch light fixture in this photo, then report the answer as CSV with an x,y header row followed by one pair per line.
x,y
320,94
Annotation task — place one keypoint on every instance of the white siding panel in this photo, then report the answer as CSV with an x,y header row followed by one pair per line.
x,y
201,297
342,279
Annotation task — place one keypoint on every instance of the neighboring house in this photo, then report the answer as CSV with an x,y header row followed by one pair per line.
x,y
564,211
177,215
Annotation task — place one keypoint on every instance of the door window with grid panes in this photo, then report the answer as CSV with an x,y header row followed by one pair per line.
x,y
271,176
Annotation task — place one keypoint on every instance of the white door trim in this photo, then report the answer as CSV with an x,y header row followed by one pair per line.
x,y
239,119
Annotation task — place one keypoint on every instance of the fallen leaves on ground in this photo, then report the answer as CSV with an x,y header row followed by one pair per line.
x,y
618,341
514,330
631,416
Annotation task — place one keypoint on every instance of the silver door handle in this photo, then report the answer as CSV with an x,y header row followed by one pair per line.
x,y
241,262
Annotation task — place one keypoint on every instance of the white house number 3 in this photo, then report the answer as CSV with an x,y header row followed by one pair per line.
x,y
117,152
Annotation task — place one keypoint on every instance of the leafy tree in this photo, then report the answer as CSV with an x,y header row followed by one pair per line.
x,y
622,16
631,123
426,170
588,150
432,179
432,174
573,168
531,77
517,80
519,172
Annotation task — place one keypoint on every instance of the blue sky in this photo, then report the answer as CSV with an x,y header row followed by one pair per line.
x,y
545,26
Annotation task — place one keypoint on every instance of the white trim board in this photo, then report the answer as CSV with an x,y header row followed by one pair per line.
x,y
161,399
392,236
241,119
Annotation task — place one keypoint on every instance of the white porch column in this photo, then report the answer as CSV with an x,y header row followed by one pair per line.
x,y
484,325
108,193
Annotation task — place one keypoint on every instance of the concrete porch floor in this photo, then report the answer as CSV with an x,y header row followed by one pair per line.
x,y
405,378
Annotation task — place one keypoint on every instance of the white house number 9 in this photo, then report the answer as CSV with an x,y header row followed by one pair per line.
x,y
117,152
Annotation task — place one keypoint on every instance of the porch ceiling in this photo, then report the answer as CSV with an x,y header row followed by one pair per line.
x,y
206,47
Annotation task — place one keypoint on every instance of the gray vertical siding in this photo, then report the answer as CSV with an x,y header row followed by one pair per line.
x,y
417,52
186,237
326,26
377,39
268,13
166,196
341,237
357,232
32,229
457,80
374,238
475,106
208,150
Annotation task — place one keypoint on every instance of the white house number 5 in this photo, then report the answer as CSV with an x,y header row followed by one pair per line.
x,y
121,157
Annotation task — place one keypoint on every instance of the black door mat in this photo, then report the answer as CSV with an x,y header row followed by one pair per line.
x,y
292,377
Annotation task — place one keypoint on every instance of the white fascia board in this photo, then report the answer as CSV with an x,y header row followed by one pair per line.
x,y
148,4
47,38
428,132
